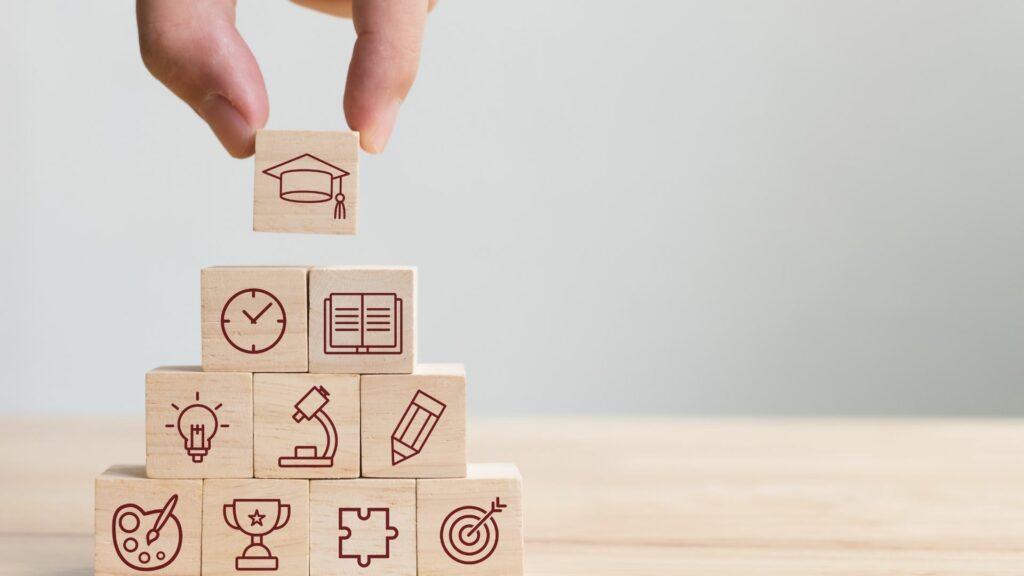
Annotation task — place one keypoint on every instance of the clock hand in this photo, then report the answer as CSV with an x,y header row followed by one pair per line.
x,y
251,319
262,312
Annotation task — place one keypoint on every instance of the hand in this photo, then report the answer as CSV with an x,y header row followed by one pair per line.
x,y
193,47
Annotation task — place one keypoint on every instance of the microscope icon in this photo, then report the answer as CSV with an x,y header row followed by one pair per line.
x,y
311,407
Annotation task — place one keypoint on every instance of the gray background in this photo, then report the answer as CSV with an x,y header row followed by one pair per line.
x,y
667,207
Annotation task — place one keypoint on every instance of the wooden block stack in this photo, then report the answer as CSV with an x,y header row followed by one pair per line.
x,y
309,442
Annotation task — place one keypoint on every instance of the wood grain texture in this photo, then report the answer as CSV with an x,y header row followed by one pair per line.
x,y
170,393
127,485
405,405
347,281
489,499
310,214
613,496
276,433
326,497
289,543
254,319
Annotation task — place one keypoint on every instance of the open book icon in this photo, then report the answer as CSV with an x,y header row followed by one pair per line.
x,y
362,323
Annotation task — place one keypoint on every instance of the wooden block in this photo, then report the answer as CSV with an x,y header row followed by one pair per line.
x,y
362,527
471,525
414,425
256,525
198,424
362,320
306,425
145,525
254,319
306,182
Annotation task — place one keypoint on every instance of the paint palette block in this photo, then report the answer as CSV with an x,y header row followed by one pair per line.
x,y
306,182
198,424
306,425
257,526
362,527
254,319
362,320
145,525
471,526
414,425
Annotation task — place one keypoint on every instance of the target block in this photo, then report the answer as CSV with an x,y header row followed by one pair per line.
x,y
362,527
473,525
198,424
145,525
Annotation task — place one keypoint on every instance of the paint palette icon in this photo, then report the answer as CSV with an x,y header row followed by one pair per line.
x,y
147,540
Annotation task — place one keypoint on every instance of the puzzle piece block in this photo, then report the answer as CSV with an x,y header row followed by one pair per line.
x,y
365,534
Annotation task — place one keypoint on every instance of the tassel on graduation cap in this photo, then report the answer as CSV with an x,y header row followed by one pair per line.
x,y
307,179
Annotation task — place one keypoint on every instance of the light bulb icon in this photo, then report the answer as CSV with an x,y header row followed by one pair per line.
x,y
197,425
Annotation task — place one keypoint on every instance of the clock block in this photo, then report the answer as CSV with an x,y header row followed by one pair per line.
x,y
362,320
198,424
145,525
306,182
254,319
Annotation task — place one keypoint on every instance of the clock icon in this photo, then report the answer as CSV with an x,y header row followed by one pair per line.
x,y
253,321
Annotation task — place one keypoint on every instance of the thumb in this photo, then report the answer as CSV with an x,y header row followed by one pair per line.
x,y
195,50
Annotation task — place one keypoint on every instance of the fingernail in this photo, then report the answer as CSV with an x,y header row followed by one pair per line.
x,y
234,133
381,130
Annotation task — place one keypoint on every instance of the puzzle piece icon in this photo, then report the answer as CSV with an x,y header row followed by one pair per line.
x,y
365,534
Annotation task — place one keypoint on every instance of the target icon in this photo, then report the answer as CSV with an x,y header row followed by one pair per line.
x,y
469,534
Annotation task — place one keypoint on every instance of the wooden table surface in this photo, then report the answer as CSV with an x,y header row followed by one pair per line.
x,y
644,495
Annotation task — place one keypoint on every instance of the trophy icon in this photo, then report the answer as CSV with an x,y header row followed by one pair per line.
x,y
257,518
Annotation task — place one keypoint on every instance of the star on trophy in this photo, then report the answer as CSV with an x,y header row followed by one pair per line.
x,y
257,518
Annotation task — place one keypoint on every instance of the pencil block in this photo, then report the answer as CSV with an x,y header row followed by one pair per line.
x,y
254,319
306,182
145,525
198,424
362,527
256,525
362,320
473,525
306,425
414,425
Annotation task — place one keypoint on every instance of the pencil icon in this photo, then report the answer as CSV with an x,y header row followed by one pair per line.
x,y
415,427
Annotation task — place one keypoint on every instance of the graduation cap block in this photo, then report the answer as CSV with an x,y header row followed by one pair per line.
x,y
307,179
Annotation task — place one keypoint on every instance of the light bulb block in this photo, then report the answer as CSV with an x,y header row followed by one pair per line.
x,y
362,320
145,525
362,527
306,425
257,526
471,526
198,424
414,425
306,182
254,319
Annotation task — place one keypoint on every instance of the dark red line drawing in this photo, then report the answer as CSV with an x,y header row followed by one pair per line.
x,y
197,424
312,406
248,334
469,534
417,424
307,179
388,533
264,516
162,540
340,337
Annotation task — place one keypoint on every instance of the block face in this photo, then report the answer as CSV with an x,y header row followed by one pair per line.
x,y
198,424
363,526
471,525
306,182
146,525
306,425
362,320
414,425
256,525
254,319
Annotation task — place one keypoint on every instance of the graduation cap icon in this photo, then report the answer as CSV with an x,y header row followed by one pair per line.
x,y
307,179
